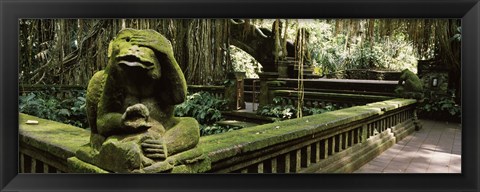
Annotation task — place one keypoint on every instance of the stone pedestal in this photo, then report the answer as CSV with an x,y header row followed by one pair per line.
x,y
416,121
191,161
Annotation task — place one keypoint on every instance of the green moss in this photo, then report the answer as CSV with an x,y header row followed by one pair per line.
x,y
200,167
106,95
78,166
56,138
210,148
409,86
230,144
94,92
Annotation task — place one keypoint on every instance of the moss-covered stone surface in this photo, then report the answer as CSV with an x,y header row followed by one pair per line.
x,y
78,166
409,86
341,97
52,137
130,105
230,144
58,139
441,84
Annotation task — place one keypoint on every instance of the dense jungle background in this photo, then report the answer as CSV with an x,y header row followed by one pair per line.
x,y
68,52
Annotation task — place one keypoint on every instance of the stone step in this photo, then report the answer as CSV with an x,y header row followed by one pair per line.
x,y
236,123
309,76
309,70
251,117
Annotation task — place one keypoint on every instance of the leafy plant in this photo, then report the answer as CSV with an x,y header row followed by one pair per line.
x,y
282,109
202,106
335,50
316,110
434,104
215,129
46,105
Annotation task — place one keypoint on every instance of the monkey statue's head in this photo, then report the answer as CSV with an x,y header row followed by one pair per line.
x,y
145,58
132,57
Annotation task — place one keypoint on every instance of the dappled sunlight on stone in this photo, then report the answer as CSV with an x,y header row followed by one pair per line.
x,y
429,150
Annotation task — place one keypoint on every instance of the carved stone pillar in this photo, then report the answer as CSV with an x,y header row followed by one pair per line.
x,y
234,91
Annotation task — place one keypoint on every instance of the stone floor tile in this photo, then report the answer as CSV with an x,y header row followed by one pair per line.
x,y
428,146
398,165
410,149
436,148
377,163
402,159
437,169
417,168
384,158
392,170
455,169
422,160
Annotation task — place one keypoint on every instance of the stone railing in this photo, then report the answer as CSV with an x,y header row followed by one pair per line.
x,y
25,88
320,99
217,91
337,141
365,74
45,148
60,91
343,86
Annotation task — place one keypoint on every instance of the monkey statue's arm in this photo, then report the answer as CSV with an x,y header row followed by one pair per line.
x,y
94,93
184,135
109,124
112,120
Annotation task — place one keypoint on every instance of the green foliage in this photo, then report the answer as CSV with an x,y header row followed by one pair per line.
x,y
282,109
202,106
334,51
206,109
46,105
315,110
243,62
458,35
215,129
434,104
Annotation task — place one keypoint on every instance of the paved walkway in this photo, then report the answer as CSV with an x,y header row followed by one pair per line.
x,y
436,148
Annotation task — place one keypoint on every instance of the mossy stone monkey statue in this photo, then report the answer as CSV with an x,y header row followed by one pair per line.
x,y
130,105
409,86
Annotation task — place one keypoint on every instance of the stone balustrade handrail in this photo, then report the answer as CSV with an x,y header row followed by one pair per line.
x,y
52,143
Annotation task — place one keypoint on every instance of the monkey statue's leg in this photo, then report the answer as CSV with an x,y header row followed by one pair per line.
x,y
183,136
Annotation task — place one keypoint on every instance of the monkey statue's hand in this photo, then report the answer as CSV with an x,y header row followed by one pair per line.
x,y
154,149
156,42
136,118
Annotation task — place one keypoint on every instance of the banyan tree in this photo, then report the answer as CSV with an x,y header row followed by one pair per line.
x,y
70,51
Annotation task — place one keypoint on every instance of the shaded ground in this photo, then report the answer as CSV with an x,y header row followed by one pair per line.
x,y
436,148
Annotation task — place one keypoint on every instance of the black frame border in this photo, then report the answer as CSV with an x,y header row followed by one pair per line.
x,y
11,11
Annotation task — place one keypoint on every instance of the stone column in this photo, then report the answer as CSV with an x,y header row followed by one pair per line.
x,y
265,96
283,68
416,121
234,91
